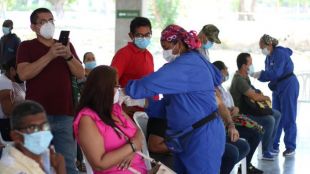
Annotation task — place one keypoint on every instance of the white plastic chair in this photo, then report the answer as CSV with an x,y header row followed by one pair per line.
x,y
89,170
243,163
5,143
141,120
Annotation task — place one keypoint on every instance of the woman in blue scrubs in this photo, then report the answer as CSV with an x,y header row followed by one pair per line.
x,y
279,71
187,84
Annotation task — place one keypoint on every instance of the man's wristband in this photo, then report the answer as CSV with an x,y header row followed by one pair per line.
x,y
69,58
230,124
133,146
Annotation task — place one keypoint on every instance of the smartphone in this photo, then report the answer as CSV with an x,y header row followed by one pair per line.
x,y
64,37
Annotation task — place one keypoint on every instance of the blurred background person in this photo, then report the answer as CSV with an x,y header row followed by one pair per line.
x,y
9,43
134,61
208,35
89,61
12,91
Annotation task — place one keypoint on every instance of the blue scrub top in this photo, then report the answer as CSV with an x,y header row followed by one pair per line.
x,y
277,65
187,84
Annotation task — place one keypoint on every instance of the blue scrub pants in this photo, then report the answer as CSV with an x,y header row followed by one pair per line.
x,y
285,100
203,150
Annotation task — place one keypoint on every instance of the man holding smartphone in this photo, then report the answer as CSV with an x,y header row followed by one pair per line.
x,y
47,65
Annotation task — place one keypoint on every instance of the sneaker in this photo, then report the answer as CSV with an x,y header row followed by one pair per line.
x,y
274,152
267,156
252,170
288,153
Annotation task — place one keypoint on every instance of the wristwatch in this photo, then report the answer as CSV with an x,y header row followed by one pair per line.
x,y
69,58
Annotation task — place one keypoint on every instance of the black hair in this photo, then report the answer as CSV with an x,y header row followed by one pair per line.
x,y
10,63
139,22
22,110
242,59
219,65
86,55
8,23
35,13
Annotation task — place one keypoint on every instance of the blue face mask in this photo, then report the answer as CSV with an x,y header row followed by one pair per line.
x,y
90,65
208,45
6,30
142,42
38,142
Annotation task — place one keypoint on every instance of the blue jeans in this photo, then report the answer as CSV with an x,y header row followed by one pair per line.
x,y
234,152
253,138
270,124
61,126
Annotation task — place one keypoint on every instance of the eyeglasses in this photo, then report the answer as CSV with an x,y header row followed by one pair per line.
x,y
43,21
139,35
35,128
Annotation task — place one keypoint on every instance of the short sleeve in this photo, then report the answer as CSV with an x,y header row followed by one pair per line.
x,y
23,53
243,86
119,62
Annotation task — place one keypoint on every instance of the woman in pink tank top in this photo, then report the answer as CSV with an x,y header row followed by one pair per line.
x,y
107,136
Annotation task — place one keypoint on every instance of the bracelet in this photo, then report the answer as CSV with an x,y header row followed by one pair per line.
x,y
230,124
133,146
69,58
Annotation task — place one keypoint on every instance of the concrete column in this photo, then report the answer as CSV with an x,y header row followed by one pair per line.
x,y
126,10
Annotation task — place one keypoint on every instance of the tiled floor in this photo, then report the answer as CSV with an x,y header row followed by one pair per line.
x,y
300,163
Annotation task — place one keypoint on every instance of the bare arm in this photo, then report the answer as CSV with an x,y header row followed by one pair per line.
x,y
28,70
92,145
6,102
225,114
156,144
76,68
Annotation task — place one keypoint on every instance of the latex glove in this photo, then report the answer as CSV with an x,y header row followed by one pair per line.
x,y
256,75
134,102
122,96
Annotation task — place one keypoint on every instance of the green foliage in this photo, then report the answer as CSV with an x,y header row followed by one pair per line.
x,y
164,12
294,2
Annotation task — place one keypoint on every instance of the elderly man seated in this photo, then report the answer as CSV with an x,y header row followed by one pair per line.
x,y
29,152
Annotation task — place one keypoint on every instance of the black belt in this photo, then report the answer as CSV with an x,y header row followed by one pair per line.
x,y
204,120
285,77
196,125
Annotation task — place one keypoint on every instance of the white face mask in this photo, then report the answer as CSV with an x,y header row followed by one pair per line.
x,y
265,51
168,55
116,96
47,30
251,70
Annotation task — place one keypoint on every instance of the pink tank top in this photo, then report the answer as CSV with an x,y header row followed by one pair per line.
x,y
112,140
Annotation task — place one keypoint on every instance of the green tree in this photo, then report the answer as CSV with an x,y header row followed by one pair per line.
x,y
164,12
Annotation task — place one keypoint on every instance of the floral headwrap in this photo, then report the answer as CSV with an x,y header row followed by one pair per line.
x,y
173,33
269,40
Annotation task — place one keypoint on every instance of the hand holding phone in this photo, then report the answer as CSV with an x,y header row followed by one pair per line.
x,y
64,37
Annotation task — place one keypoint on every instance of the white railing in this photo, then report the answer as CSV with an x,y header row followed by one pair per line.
x,y
304,89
